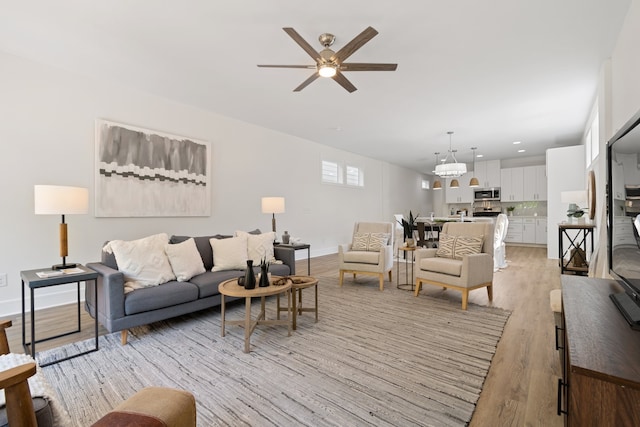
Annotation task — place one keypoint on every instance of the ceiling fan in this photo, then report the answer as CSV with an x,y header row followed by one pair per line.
x,y
330,63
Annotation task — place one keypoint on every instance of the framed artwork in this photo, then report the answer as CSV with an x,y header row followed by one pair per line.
x,y
145,173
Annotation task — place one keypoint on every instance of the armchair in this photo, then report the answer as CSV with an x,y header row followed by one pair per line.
x,y
370,252
463,262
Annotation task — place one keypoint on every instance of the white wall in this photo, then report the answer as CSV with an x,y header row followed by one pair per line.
x,y
47,137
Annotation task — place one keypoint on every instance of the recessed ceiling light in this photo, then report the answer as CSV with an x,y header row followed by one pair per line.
x,y
517,142
480,155
521,151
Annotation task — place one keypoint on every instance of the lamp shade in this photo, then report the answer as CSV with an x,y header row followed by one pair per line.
x,y
437,185
273,205
578,196
454,183
60,200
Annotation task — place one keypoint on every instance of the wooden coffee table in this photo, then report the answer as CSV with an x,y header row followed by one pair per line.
x,y
231,288
300,283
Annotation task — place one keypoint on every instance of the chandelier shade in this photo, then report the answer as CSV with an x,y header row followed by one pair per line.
x,y
452,169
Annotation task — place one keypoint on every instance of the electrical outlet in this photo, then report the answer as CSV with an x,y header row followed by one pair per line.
x,y
3,279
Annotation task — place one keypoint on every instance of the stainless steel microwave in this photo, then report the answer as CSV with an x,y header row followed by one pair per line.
x,y
486,194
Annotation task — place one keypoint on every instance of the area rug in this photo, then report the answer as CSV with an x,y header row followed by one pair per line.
x,y
374,358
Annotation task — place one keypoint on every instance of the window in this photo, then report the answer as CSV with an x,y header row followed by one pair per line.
x,y
354,176
425,184
331,172
592,140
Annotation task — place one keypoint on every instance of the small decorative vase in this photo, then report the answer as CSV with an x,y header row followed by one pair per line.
x,y
264,277
410,243
249,276
285,238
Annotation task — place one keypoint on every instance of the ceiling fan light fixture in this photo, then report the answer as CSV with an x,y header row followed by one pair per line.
x,y
327,70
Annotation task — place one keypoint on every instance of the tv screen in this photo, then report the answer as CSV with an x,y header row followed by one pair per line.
x,y
623,161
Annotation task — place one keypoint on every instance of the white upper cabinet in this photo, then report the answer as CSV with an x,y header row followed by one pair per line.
x,y
488,173
462,194
512,185
535,183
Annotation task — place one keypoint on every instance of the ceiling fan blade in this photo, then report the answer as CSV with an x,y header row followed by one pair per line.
x,y
310,67
344,82
352,66
303,43
307,82
355,44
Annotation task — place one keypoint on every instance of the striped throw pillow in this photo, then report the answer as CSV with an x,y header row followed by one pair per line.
x,y
458,246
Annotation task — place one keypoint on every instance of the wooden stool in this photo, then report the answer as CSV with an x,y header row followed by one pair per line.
x,y
153,407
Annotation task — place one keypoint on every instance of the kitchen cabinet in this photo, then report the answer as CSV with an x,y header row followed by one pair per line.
x,y
534,183
514,231
530,229
462,194
488,173
541,231
511,181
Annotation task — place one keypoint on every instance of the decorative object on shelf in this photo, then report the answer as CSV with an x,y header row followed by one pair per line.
x,y
61,200
273,205
264,273
474,181
452,169
249,276
574,198
145,173
591,194
285,238
510,209
408,227
437,185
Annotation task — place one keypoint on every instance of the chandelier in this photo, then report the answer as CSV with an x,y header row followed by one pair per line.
x,y
452,169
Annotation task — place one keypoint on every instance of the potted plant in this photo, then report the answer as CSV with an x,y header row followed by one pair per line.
x,y
408,226
510,209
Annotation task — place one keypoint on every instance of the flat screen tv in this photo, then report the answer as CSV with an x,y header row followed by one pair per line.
x,y
623,222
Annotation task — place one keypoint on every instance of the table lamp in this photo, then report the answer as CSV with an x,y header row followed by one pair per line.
x,y
273,205
574,198
61,200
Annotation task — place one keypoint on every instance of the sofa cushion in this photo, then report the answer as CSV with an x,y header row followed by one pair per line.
x,y
184,259
362,257
143,262
163,296
450,266
259,246
451,246
229,254
203,245
208,282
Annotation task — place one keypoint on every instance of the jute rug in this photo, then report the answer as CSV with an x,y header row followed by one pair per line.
x,y
374,358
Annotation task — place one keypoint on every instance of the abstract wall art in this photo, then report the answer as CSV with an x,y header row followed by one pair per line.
x,y
145,173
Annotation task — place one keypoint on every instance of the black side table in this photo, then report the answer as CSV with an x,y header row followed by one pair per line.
x,y
299,247
31,279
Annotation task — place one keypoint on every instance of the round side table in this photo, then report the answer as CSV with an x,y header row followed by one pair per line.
x,y
406,250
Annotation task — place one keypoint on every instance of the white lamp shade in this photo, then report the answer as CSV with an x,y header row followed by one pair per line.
x,y
578,196
451,169
60,200
273,205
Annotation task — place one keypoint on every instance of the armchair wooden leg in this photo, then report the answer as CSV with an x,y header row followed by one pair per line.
x,y
123,336
390,276
4,344
381,281
418,286
341,278
490,292
465,298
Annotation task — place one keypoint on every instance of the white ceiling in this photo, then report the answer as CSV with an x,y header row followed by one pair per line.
x,y
493,71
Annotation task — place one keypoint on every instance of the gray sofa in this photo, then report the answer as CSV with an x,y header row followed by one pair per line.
x,y
118,311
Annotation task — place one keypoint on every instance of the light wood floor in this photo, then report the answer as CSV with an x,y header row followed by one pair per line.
x,y
520,389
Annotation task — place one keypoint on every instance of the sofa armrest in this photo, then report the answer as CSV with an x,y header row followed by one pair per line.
x,y
110,294
424,253
287,256
482,267
342,248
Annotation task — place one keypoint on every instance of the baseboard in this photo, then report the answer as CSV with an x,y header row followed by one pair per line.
x,y
43,299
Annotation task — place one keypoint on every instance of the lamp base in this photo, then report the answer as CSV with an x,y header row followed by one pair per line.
x,y
63,266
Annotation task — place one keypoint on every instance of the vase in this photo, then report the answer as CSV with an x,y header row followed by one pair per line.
x,y
249,276
264,277
410,243
285,238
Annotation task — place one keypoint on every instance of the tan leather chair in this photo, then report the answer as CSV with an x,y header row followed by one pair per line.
x,y
372,261
470,272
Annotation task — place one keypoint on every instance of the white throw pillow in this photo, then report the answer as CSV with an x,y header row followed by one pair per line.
x,y
259,246
185,259
143,262
229,254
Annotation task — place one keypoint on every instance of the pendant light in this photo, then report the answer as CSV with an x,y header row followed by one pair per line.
x,y
454,183
437,185
474,181
452,169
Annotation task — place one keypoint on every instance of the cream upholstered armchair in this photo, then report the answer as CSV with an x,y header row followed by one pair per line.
x,y
370,252
464,260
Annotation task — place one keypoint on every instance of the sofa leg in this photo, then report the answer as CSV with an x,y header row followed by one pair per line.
x,y
465,298
123,336
390,276
490,292
341,277
418,286
381,281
